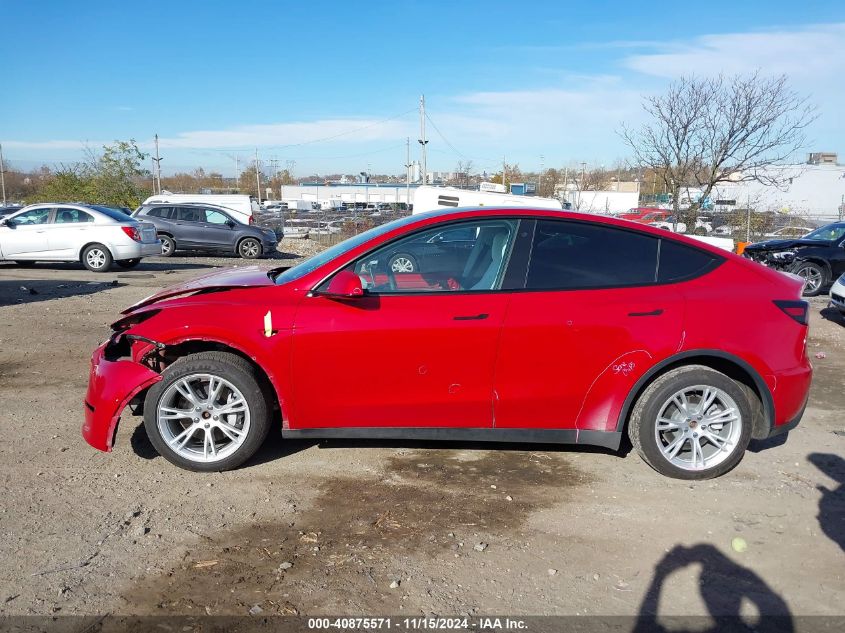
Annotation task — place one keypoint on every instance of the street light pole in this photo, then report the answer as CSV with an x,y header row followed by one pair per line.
x,y
2,175
257,176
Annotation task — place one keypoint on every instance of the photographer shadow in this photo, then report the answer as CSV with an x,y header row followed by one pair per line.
x,y
723,585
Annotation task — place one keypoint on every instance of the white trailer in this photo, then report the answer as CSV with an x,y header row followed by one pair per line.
x,y
243,206
430,198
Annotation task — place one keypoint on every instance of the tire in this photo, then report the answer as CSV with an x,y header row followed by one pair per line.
x,y
403,263
25,264
249,248
231,449
655,445
815,277
97,258
128,263
168,245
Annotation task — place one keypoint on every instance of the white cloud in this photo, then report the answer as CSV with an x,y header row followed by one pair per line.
x,y
51,145
806,54
282,134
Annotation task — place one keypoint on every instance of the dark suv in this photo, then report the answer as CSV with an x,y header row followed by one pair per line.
x,y
204,227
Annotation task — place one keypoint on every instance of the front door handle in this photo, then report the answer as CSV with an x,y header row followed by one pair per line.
x,y
656,312
472,317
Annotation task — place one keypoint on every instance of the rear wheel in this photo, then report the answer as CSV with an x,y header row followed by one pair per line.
x,y
249,248
813,275
208,413
168,245
97,258
692,423
403,263
128,263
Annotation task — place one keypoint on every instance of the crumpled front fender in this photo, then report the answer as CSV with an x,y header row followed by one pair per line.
x,y
111,386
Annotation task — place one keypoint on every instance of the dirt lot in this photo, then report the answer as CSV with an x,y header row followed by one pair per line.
x,y
327,528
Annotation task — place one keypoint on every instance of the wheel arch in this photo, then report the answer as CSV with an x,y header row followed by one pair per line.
x,y
819,261
92,243
732,366
193,346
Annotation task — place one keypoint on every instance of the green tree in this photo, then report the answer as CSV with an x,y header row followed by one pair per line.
x,y
117,174
69,183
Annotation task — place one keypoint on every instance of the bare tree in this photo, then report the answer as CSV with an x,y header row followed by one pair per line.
x,y
463,171
706,131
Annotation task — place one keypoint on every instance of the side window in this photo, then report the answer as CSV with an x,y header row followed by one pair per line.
x,y
190,214
571,255
678,261
34,216
417,263
68,216
215,217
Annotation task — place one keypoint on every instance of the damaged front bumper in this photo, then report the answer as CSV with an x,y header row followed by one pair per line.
x,y
112,383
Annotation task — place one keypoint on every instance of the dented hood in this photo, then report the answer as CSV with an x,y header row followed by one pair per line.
x,y
249,277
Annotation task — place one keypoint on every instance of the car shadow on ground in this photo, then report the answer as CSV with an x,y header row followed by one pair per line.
x,y
832,504
187,255
20,291
834,315
724,585
274,447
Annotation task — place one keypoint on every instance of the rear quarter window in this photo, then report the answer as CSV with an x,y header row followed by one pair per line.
x,y
679,262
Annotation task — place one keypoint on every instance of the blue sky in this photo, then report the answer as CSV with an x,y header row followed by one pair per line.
x,y
521,80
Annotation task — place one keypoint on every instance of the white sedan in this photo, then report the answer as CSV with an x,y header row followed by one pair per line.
x,y
94,235
837,294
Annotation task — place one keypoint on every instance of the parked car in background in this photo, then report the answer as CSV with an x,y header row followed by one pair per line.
x,y
645,214
93,235
818,257
837,294
4,211
203,227
702,225
544,326
241,207
789,232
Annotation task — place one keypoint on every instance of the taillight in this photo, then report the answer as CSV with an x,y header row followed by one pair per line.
x,y
132,232
251,220
798,311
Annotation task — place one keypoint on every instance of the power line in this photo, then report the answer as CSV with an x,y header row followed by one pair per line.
x,y
440,134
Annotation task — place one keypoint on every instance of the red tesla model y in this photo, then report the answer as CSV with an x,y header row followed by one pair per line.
x,y
513,325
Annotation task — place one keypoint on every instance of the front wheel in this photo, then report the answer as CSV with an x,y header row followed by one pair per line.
x,y
97,258
814,278
208,413
128,263
249,248
692,423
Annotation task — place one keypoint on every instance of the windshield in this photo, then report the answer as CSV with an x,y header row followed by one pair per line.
x,y
313,263
829,233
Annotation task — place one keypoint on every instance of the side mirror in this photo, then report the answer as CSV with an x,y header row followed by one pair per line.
x,y
230,224
346,285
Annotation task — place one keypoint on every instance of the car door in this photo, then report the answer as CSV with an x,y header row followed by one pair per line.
x,y
591,320
417,350
25,234
218,229
188,227
68,231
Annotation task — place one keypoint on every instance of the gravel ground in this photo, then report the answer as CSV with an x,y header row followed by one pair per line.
x,y
369,528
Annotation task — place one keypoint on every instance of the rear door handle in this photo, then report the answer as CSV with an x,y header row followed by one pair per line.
x,y
656,312
472,317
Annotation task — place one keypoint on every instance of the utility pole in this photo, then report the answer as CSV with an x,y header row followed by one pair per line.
x,y
581,183
408,172
157,160
540,179
2,175
422,139
257,176
237,173
504,173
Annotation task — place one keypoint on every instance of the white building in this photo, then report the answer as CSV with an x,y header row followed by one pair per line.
x,y
815,191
